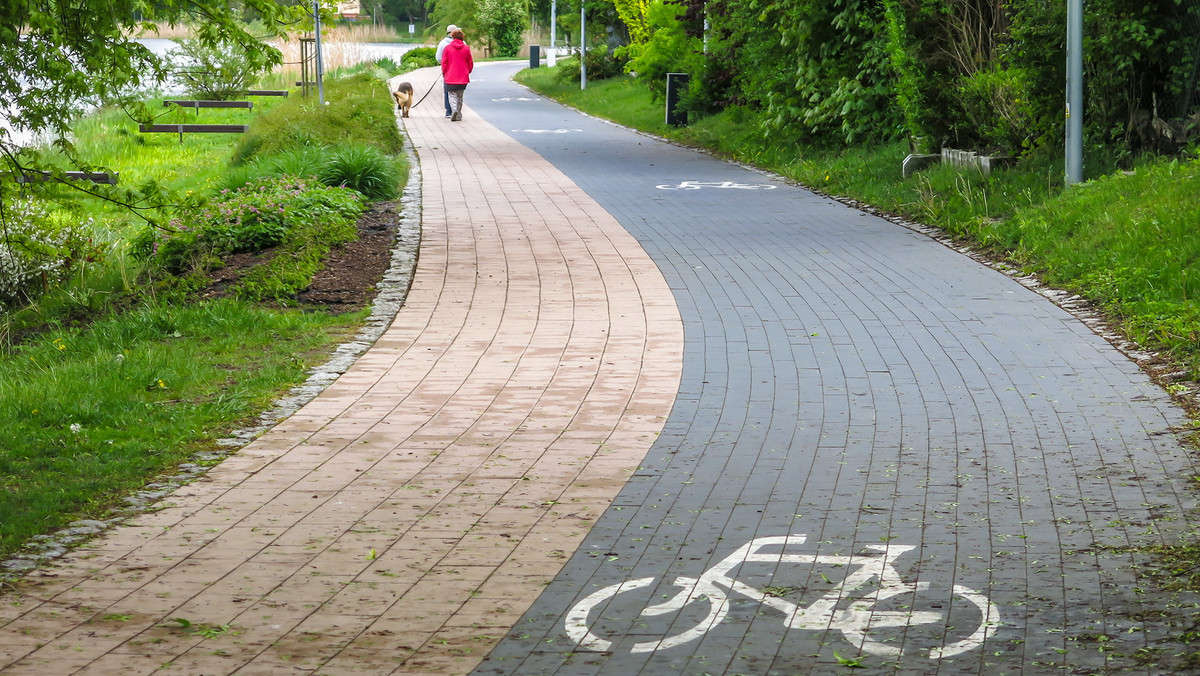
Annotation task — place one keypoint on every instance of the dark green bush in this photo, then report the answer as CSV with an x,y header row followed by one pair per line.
x,y
419,57
601,65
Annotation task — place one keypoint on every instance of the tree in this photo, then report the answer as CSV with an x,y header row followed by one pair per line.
x,y
59,57
504,21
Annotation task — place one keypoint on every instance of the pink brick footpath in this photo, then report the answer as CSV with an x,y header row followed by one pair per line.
x,y
403,520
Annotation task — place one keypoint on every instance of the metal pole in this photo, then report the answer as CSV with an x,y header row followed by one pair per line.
x,y
1074,112
582,46
553,30
320,65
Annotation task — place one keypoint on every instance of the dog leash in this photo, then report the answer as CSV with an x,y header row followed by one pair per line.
x,y
430,90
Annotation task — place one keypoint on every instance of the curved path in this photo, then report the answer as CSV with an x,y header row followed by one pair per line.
x,y
630,376
409,514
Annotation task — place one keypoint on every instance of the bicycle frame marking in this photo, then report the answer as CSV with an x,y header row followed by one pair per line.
x,y
855,622
696,185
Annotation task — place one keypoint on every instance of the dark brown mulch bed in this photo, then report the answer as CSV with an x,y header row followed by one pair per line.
x,y
351,273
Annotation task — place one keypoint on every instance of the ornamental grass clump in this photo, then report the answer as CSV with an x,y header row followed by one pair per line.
x,y
365,169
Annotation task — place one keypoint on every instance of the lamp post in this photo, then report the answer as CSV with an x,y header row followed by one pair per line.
x,y
1074,110
582,46
320,66
553,31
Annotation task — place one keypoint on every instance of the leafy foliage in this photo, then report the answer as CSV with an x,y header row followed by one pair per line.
x,y
60,56
670,48
503,22
636,16
37,249
419,57
977,74
601,65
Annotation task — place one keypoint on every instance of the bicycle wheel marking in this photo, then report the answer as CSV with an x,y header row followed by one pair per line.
x,y
723,185
871,600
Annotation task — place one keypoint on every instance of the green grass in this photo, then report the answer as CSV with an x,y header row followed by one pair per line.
x,y
1128,243
90,414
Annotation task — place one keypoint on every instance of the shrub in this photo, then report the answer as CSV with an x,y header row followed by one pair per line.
x,y
38,250
601,65
504,21
670,49
216,72
420,57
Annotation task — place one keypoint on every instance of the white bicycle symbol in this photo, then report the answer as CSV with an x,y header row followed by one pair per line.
x,y
696,185
851,607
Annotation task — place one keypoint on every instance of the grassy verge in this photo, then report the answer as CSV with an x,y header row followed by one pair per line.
x,y
1127,243
90,413
114,374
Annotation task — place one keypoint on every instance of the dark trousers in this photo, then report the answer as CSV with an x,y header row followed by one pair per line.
x,y
446,99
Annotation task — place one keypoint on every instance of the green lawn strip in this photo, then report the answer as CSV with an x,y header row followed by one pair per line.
x,y
1127,243
91,414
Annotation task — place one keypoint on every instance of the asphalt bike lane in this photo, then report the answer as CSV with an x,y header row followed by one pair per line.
x,y
883,454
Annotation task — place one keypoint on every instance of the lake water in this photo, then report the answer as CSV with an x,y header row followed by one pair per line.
x,y
348,54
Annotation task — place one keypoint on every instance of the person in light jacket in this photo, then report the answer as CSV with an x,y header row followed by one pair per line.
x,y
441,48
457,65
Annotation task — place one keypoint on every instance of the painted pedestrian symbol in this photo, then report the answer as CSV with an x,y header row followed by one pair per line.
x,y
726,185
872,607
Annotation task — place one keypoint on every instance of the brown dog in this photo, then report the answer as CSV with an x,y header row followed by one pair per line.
x,y
404,98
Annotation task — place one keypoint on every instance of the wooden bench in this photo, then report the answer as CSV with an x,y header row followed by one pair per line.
x,y
267,92
208,104
106,178
182,129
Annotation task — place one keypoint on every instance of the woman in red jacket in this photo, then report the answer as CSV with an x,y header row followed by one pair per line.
x,y
457,65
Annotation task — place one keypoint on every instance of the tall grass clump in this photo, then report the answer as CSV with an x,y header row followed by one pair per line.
x,y
364,169
359,112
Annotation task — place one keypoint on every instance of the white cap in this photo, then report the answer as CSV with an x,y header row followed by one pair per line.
x,y
451,28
